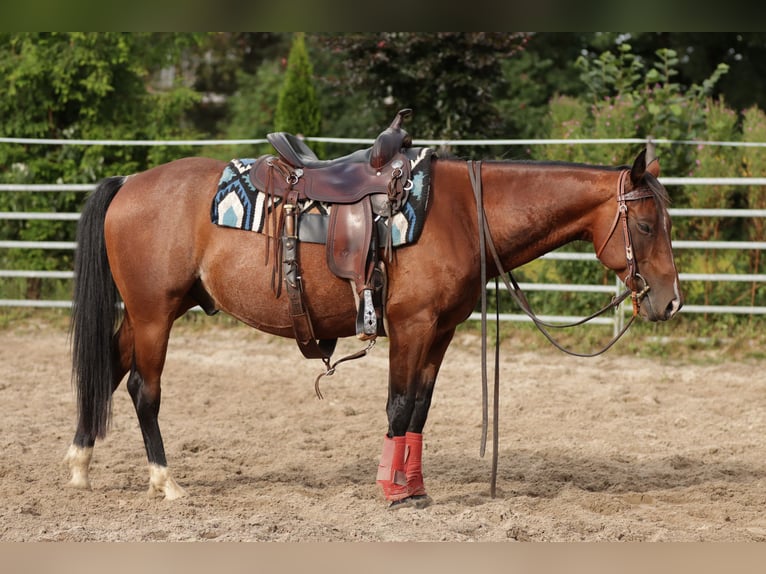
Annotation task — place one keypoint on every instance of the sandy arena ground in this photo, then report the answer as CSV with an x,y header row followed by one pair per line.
x,y
615,448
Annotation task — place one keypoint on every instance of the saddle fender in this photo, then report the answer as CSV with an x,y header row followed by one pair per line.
x,y
348,240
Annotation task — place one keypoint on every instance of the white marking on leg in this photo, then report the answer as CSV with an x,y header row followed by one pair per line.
x,y
78,460
162,484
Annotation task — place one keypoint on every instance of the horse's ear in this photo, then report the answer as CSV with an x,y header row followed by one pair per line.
x,y
639,168
654,167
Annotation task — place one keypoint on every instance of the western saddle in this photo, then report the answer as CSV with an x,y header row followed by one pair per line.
x,y
366,182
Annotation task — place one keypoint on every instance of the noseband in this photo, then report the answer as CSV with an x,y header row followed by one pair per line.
x,y
633,277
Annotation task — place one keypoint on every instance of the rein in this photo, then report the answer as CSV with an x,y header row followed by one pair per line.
x,y
486,243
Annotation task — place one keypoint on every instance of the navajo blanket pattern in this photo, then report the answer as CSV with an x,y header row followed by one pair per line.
x,y
238,204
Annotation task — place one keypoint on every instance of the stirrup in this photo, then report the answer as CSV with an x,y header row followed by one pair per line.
x,y
366,319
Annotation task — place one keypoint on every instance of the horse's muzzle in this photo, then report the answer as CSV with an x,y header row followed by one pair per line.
x,y
651,311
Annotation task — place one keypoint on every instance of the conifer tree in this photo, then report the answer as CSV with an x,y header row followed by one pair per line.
x,y
298,108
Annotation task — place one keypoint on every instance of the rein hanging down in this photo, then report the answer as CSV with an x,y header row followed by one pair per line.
x,y
486,244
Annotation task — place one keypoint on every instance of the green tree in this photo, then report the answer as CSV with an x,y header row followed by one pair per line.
x,y
450,79
699,52
297,107
82,86
542,70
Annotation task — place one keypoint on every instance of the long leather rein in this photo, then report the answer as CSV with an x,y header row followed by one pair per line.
x,y
486,244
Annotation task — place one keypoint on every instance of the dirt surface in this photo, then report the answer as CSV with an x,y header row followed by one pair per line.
x,y
615,448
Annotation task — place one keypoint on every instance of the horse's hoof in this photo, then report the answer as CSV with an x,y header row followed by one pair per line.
x,y
174,491
162,485
415,501
167,492
79,483
77,461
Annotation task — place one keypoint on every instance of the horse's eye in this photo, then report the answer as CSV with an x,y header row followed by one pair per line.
x,y
644,227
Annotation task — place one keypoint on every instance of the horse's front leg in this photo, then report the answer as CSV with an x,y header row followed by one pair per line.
x,y
413,366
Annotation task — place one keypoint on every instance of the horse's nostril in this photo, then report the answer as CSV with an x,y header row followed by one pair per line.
x,y
673,307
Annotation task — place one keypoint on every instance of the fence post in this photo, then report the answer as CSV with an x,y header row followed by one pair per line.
x,y
651,149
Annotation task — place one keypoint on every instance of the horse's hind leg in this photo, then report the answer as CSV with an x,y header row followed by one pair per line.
x,y
80,452
151,342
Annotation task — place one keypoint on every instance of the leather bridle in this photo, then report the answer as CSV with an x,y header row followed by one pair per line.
x,y
633,276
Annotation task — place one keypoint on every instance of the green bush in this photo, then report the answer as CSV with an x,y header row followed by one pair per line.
x,y
626,100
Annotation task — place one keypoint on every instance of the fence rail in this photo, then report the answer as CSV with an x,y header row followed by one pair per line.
x,y
615,289
616,320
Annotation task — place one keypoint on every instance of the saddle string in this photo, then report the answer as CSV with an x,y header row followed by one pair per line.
x,y
273,248
269,201
277,219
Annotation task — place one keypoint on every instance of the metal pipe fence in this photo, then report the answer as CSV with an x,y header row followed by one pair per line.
x,y
616,320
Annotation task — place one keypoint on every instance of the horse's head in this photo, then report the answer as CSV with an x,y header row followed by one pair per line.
x,y
635,241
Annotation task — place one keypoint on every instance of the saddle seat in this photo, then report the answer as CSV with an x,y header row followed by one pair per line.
x,y
294,151
346,179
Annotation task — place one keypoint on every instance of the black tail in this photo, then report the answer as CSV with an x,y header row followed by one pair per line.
x,y
95,313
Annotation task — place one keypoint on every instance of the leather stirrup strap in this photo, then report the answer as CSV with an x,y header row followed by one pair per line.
x,y
302,328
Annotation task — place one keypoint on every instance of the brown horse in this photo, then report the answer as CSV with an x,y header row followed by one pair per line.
x,y
148,240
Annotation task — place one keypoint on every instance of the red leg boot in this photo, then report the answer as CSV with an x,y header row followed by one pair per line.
x,y
391,474
384,466
417,496
398,489
413,464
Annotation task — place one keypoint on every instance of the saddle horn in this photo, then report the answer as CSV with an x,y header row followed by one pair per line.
x,y
391,140
401,115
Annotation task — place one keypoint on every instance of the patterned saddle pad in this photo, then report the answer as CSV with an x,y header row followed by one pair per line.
x,y
238,204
